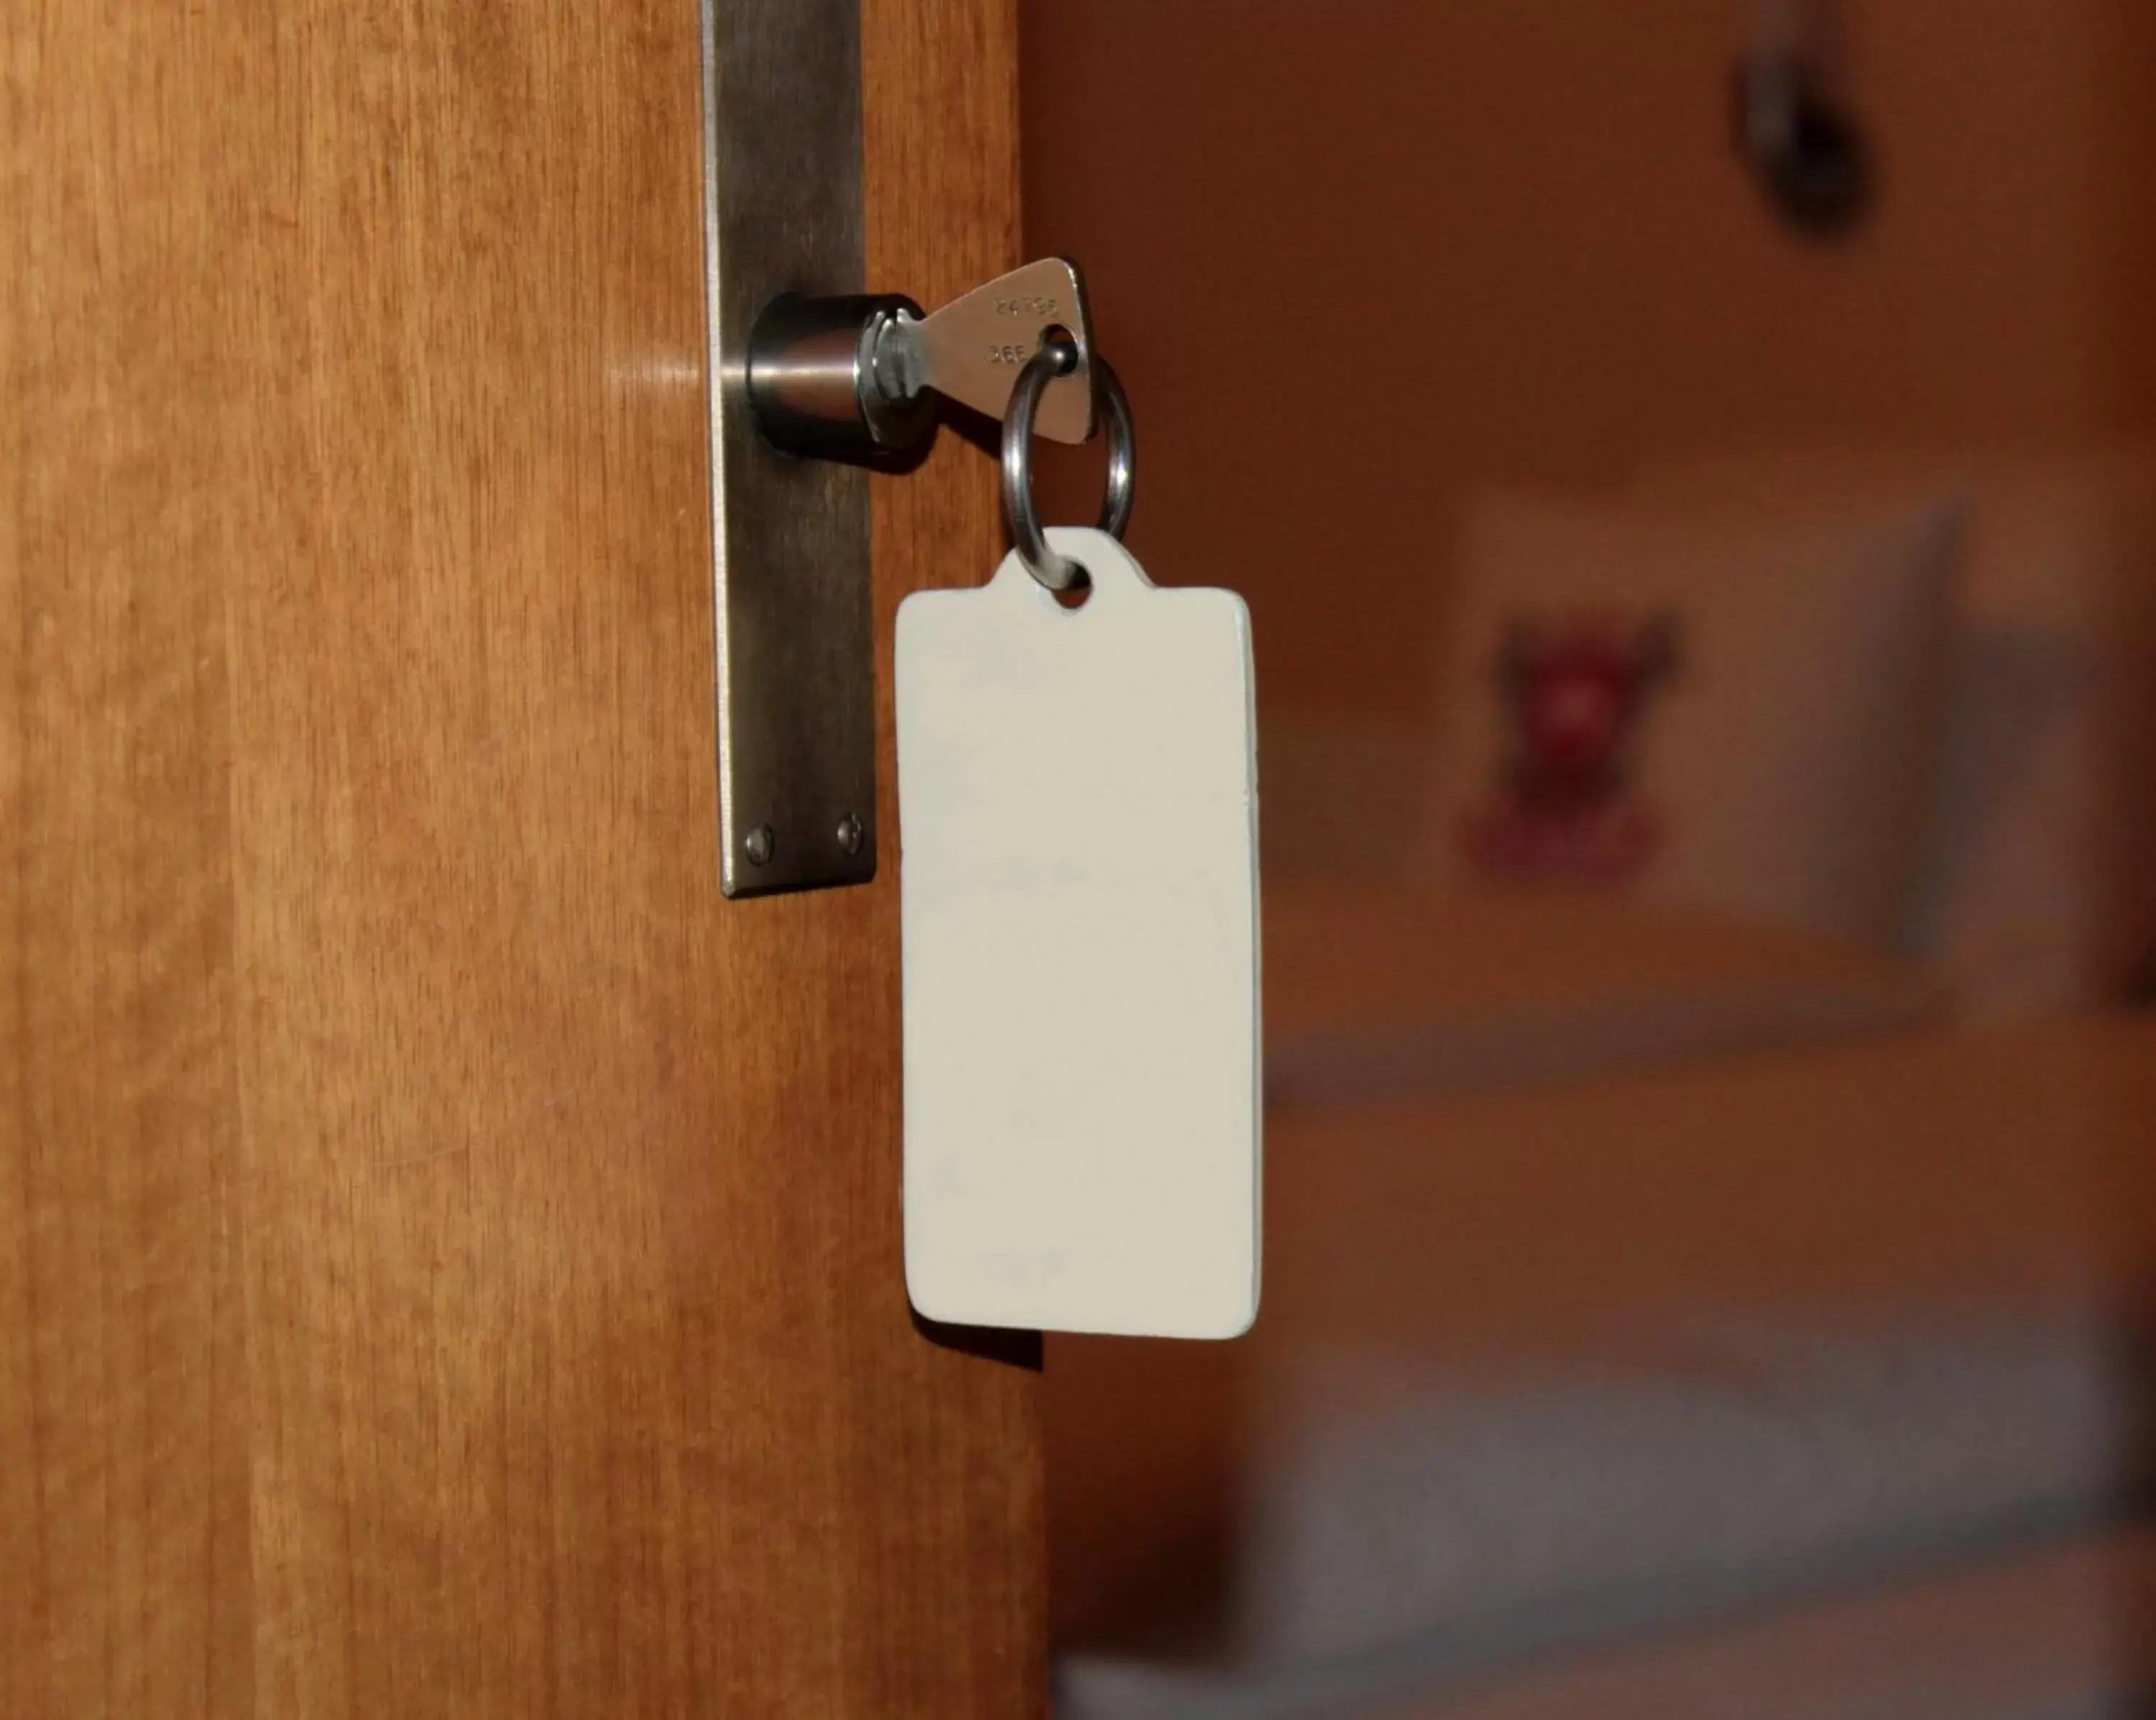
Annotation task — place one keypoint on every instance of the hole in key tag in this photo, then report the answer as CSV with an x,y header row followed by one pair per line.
x,y
1078,811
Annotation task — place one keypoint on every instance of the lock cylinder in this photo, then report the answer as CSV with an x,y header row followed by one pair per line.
x,y
815,381
803,389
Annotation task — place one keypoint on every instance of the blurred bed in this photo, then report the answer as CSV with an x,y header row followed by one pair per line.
x,y
1710,1162
1373,991
1540,1373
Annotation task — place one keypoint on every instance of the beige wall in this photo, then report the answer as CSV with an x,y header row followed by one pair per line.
x,y
1356,259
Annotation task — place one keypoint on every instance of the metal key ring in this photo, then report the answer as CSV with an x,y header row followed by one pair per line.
x,y
1056,358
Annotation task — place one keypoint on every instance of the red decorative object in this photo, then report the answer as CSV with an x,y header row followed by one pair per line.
x,y
1575,693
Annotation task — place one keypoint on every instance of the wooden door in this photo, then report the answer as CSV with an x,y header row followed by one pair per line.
x,y
449,1258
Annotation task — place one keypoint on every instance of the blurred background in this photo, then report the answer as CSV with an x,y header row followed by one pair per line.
x,y
1692,466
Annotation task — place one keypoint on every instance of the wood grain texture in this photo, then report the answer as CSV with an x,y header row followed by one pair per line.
x,y
449,1259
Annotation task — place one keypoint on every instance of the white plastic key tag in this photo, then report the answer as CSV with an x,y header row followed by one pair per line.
x,y
1078,812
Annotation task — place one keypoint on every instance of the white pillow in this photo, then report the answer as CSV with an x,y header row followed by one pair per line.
x,y
1697,705
2038,889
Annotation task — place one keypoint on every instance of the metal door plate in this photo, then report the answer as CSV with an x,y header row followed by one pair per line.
x,y
789,537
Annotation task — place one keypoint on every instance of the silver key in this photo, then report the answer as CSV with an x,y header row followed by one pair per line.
x,y
973,349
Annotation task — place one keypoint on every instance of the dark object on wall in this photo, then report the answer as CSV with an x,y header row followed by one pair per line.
x,y
1813,159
